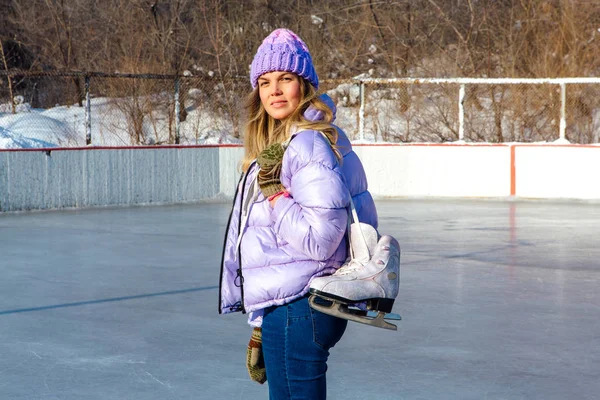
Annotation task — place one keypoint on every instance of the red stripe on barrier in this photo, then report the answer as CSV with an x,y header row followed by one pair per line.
x,y
195,146
233,145
474,145
513,172
572,145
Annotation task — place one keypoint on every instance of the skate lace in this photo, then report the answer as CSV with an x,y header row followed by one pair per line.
x,y
349,268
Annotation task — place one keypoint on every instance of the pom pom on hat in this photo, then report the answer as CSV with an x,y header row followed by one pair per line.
x,y
283,50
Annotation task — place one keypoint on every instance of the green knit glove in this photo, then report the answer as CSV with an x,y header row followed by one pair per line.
x,y
269,161
254,358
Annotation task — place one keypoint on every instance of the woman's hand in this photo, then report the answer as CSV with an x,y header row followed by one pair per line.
x,y
255,362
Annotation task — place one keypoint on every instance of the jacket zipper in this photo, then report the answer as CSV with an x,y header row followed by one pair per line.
x,y
243,178
239,275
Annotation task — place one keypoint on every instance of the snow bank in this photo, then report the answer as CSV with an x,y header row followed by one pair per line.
x,y
12,140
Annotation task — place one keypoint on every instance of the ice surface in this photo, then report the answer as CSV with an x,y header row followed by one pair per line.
x,y
499,300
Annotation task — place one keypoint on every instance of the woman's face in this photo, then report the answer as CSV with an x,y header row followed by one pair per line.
x,y
279,93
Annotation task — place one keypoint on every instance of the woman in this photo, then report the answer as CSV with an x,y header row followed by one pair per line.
x,y
289,218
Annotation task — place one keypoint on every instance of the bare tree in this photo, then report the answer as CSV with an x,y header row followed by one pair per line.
x,y
11,94
49,28
216,40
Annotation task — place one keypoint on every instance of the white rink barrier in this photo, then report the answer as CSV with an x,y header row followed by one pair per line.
x,y
557,171
437,170
36,179
532,171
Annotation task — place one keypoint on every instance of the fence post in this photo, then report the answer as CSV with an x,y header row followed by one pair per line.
x,y
361,113
461,112
177,84
563,111
88,112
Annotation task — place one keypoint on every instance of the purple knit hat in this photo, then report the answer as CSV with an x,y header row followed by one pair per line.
x,y
283,50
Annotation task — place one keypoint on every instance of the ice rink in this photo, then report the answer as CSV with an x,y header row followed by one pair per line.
x,y
499,300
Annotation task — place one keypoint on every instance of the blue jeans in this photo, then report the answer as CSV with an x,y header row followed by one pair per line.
x,y
296,340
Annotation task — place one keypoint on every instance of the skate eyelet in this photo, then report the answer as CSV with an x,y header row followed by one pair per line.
x,y
380,262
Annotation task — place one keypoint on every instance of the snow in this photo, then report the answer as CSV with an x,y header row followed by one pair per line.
x,y
316,20
391,114
65,126
41,127
12,140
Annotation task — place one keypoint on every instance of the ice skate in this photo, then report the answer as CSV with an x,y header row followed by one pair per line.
x,y
371,277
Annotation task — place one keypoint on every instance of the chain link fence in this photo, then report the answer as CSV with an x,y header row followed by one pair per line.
x,y
73,109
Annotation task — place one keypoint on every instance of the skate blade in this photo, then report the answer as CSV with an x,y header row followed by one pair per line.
x,y
387,316
341,310
375,305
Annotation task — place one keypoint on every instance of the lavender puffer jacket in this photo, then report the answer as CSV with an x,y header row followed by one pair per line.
x,y
282,248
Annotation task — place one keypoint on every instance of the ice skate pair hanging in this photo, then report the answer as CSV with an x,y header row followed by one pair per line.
x,y
365,287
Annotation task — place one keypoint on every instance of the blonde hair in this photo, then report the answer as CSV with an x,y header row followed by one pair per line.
x,y
263,130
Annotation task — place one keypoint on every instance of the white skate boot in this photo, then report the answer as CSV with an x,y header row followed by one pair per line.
x,y
371,275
